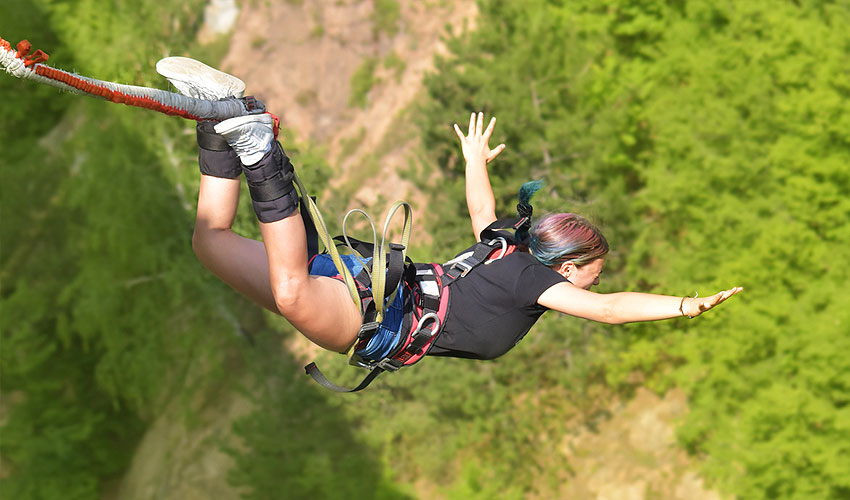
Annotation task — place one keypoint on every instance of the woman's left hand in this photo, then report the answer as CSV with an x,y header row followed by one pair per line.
x,y
693,307
475,145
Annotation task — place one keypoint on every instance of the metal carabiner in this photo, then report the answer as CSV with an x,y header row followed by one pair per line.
x,y
504,244
423,319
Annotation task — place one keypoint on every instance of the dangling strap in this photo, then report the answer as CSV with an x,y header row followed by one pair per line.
x,y
317,375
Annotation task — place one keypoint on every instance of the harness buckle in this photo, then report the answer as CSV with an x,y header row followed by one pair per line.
x,y
367,329
389,364
466,267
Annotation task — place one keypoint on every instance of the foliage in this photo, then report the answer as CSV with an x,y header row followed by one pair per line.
x,y
298,439
395,64
106,315
101,295
362,81
710,140
386,17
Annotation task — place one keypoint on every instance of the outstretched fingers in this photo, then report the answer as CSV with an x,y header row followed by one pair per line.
x,y
489,130
495,152
459,133
710,302
475,143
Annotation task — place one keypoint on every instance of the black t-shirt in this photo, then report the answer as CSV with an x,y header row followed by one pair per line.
x,y
494,306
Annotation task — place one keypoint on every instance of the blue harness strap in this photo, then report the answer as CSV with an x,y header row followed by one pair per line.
x,y
420,307
387,334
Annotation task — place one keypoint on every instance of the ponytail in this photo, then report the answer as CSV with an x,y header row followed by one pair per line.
x,y
557,237
524,208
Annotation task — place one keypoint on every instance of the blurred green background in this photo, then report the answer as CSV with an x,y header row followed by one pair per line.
x,y
710,140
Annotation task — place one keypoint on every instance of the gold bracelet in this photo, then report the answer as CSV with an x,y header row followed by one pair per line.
x,y
683,303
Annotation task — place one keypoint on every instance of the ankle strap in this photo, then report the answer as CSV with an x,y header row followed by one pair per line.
x,y
208,139
271,189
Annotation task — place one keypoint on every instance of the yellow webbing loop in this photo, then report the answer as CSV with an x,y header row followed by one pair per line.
x,y
379,256
379,259
322,230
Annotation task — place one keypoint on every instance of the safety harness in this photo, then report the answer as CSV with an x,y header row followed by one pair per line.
x,y
426,300
425,287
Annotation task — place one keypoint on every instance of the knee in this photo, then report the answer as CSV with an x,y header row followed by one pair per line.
x,y
203,242
289,293
199,242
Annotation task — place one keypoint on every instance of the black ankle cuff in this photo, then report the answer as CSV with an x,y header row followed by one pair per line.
x,y
272,188
270,183
208,139
215,157
224,164
275,210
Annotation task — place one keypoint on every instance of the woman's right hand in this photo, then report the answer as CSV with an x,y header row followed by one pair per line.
x,y
475,144
693,306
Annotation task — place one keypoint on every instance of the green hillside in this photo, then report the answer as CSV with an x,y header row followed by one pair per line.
x,y
710,141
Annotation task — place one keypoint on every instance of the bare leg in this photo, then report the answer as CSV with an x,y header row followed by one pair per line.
x,y
318,307
240,262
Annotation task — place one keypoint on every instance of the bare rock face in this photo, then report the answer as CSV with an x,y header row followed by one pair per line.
x,y
300,58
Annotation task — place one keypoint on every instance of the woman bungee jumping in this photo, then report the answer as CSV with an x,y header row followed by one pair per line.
x,y
552,264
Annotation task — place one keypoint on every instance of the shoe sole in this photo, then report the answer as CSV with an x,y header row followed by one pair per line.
x,y
184,69
233,123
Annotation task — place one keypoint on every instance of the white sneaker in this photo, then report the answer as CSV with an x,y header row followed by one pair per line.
x,y
250,136
195,79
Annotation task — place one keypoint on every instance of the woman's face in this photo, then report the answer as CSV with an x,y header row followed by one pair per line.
x,y
583,276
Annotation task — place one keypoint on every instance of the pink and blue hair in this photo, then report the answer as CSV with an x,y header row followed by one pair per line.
x,y
561,237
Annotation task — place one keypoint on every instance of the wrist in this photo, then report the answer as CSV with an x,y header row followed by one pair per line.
x,y
475,161
684,307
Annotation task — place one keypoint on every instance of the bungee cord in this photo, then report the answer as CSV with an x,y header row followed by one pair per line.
x,y
21,62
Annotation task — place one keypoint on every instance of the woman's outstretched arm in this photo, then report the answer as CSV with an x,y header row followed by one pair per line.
x,y
477,153
626,307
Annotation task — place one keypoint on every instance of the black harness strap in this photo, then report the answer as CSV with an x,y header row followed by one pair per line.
x,y
461,268
395,263
421,338
427,291
317,375
395,268
310,230
272,188
208,139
